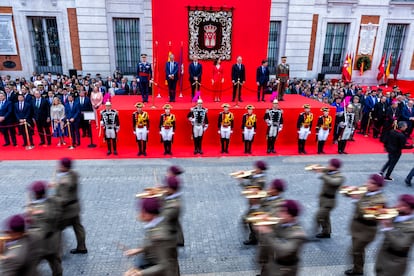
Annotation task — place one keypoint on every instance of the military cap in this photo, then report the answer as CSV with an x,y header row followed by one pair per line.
x,y
38,187
395,86
151,205
66,162
275,101
144,55
306,106
377,179
279,184
336,163
225,105
249,106
176,170
325,109
350,106
292,207
260,165
108,103
15,224
283,57
199,101
173,182
139,105
407,199
167,106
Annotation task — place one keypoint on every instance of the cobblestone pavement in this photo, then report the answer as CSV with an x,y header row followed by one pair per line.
x,y
213,207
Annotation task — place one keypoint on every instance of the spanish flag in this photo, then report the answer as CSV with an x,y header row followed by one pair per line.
x,y
388,70
347,69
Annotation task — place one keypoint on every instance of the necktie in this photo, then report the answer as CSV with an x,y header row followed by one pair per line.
x,y
71,105
81,101
171,67
239,66
263,69
1,104
21,106
37,103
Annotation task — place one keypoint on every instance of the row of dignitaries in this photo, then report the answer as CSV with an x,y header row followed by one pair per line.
x,y
163,232
36,235
47,116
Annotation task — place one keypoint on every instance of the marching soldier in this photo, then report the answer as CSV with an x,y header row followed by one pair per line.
x,y
167,128
225,127
144,77
304,125
140,125
332,180
322,128
248,128
346,128
284,242
363,230
110,123
392,258
282,74
274,121
159,246
198,118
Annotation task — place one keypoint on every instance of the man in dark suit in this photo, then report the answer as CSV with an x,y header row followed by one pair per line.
x,y
11,96
408,116
238,78
72,112
369,104
28,98
85,105
262,79
23,112
171,75
41,116
195,70
7,118
123,86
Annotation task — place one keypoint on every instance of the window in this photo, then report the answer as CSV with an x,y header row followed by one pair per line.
x,y
273,46
335,47
45,44
127,47
394,42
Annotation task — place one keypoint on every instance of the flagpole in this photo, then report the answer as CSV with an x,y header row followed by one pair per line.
x,y
155,72
181,70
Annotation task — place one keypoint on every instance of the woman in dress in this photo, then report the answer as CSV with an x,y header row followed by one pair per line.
x,y
96,100
217,79
57,115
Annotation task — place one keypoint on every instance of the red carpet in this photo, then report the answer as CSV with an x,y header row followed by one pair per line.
x,y
183,144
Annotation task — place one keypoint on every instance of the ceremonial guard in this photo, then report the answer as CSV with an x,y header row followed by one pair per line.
x,y
274,121
284,241
393,258
304,126
346,128
198,118
144,77
110,123
225,127
158,246
140,125
282,74
248,128
364,230
322,128
332,180
167,128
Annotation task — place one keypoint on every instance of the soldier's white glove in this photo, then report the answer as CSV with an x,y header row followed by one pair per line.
x,y
160,132
219,132
341,124
134,133
205,128
231,131
172,133
280,128
310,132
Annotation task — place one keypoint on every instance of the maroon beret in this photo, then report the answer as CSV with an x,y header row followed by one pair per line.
x,y
336,163
279,184
292,207
261,165
66,162
15,224
151,205
173,183
407,199
38,187
377,179
176,170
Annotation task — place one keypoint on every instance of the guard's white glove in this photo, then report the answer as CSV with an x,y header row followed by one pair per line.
x,y
280,128
219,132
160,132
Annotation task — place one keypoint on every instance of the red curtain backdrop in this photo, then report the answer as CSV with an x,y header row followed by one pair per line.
x,y
249,37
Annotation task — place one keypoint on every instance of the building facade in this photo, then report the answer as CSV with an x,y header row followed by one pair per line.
x,y
98,36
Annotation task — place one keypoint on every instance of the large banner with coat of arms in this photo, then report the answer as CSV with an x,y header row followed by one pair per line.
x,y
210,33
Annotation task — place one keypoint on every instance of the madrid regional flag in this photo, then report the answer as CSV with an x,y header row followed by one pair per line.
x,y
347,69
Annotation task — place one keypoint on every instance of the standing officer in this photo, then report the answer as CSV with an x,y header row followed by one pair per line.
x,y
322,128
262,79
248,128
41,116
274,121
198,118
304,126
195,70
85,105
140,125
225,127
363,230
171,75
110,123
392,258
238,78
66,186
282,74
73,116
167,128
332,179
144,77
